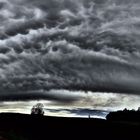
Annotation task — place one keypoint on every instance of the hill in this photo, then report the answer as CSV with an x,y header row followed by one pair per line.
x,y
33,127
129,116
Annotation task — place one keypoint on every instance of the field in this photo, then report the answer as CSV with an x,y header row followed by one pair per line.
x,y
28,127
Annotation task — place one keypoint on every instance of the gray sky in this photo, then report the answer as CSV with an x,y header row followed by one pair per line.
x,y
47,46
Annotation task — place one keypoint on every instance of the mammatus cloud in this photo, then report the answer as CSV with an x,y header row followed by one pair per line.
x,y
68,44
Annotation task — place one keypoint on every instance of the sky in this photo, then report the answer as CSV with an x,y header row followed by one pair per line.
x,y
70,53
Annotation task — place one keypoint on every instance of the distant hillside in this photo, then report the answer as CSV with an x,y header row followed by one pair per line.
x,y
125,116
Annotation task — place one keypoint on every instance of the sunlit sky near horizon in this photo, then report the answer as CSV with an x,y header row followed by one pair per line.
x,y
88,101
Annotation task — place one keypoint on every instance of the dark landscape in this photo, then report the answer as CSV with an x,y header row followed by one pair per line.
x,y
34,127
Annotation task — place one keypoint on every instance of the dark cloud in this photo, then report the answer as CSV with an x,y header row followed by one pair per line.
x,y
68,44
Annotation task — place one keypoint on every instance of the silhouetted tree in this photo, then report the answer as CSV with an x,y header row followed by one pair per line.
x,y
38,109
125,109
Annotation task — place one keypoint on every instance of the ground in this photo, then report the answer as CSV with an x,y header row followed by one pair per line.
x,y
33,127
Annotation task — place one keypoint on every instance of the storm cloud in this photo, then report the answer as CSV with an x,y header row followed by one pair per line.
x,y
85,45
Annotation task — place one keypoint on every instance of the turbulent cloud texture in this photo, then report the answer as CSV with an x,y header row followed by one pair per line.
x,y
89,45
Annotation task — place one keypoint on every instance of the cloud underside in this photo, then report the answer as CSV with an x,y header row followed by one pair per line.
x,y
68,44
96,104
